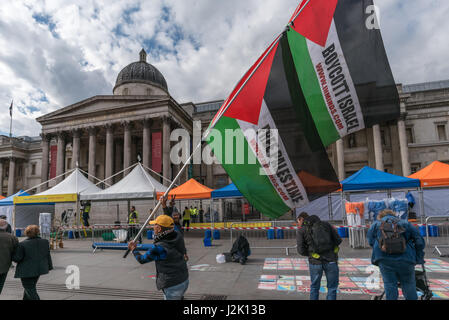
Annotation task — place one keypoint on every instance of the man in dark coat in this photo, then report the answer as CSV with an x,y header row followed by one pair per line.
x,y
168,252
33,260
8,244
319,260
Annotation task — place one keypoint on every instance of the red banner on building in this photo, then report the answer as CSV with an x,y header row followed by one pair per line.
x,y
156,151
53,156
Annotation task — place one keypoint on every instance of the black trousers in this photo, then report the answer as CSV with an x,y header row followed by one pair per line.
x,y
186,222
2,280
29,286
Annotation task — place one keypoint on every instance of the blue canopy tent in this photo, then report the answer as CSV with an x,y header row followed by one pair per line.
x,y
371,179
7,205
230,191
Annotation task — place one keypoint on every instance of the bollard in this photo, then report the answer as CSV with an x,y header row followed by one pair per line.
x,y
208,234
18,233
343,232
216,234
70,234
150,234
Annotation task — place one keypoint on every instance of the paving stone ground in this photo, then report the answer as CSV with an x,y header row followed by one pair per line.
x,y
106,275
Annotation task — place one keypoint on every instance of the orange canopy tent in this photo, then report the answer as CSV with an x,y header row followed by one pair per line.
x,y
435,174
315,184
2,197
192,189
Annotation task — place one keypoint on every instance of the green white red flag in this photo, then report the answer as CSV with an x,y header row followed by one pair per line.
x,y
325,77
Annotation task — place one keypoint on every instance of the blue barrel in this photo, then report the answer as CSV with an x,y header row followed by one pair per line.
x,y
217,234
280,234
433,231
436,231
18,232
207,242
208,234
343,232
270,234
70,235
422,231
150,234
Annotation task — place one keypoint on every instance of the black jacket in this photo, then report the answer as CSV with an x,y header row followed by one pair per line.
x,y
173,269
33,258
8,244
304,242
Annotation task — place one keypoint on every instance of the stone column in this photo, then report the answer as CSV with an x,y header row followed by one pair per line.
x,y
76,148
166,167
109,161
44,162
378,148
92,152
126,146
404,147
60,156
118,158
12,176
146,143
210,176
1,177
341,160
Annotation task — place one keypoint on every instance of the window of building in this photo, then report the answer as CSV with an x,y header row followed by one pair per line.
x,y
382,137
352,142
409,133
33,169
69,163
415,167
441,129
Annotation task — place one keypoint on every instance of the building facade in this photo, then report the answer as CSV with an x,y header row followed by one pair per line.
x,y
104,135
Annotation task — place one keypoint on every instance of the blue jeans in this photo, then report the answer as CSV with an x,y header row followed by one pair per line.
x,y
404,273
176,292
316,272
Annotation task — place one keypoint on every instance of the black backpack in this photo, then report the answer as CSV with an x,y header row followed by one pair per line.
x,y
321,237
392,240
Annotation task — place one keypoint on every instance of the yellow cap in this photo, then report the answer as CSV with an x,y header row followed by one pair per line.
x,y
164,221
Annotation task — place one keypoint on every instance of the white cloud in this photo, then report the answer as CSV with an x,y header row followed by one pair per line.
x,y
202,47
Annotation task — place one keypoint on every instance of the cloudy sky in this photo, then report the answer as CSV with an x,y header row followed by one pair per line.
x,y
58,52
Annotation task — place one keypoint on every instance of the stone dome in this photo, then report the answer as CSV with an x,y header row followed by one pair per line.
x,y
141,72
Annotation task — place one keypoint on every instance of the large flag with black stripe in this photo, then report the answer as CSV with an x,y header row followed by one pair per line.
x,y
325,77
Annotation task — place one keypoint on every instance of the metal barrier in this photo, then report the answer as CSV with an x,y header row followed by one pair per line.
x,y
114,233
437,237
357,236
266,234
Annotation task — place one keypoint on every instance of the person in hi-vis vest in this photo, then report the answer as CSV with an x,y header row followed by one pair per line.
x,y
133,222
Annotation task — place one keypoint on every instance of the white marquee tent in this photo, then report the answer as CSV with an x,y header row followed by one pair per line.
x,y
138,184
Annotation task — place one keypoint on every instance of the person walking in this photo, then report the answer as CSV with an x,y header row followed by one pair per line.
x,y
8,244
33,260
186,218
319,241
169,253
171,208
397,248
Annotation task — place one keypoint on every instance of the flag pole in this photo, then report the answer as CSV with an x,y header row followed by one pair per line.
x,y
10,123
206,134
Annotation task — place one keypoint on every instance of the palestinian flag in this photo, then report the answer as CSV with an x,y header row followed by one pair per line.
x,y
325,77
